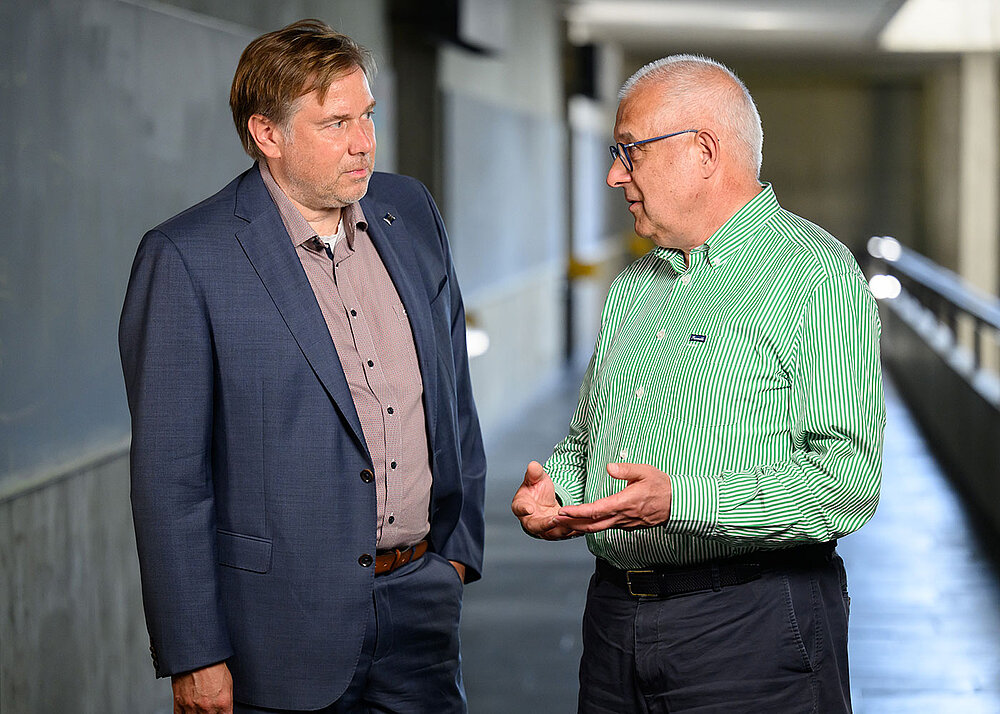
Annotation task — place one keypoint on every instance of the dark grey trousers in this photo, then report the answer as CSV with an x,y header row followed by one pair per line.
x,y
777,645
410,661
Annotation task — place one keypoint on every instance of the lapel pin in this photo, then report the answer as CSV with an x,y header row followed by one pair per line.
x,y
388,218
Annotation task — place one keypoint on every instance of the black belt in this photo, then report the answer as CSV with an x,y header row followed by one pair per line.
x,y
662,581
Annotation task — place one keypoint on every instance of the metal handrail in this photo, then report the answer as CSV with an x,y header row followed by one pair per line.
x,y
940,290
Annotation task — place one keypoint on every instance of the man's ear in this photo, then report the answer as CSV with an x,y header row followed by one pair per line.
x,y
267,135
707,142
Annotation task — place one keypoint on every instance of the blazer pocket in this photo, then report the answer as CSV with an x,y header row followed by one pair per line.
x,y
244,552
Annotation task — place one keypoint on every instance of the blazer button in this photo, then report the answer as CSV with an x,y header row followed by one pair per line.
x,y
365,561
367,476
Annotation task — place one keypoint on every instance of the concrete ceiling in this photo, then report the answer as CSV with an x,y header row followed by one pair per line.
x,y
813,27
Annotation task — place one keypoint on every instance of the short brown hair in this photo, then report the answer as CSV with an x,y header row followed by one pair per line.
x,y
281,66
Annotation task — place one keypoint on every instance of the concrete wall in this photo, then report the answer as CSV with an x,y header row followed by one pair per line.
x,y
72,637
116,118
940,142
842,149
504,200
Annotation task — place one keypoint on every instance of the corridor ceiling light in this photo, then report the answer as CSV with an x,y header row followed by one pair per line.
x,y
943,26
590,17
678,14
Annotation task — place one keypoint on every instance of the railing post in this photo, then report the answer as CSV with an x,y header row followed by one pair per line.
x,y
977,344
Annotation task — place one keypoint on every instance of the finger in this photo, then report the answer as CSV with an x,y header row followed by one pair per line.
x,y
595,526
536,525
574,524
627,472
522,505
534,474
560,533
599,509
562,525
584,511
559,528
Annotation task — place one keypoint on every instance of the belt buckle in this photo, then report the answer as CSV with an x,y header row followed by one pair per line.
x,y
628,581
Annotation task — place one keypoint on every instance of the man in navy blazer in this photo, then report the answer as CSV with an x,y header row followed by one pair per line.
x,y
307,465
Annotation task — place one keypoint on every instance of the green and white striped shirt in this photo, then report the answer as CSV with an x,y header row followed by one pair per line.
x,y
752,377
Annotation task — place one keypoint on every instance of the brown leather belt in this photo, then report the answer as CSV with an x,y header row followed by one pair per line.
x,y
389,560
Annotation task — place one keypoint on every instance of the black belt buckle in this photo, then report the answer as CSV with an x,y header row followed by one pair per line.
x,y
631,589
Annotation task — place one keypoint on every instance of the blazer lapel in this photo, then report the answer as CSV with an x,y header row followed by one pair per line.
x,y
273,256
395,247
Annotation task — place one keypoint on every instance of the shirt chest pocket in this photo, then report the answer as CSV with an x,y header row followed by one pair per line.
x,y
713,379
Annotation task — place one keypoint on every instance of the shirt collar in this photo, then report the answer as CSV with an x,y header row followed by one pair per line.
x,y
297,226
731,236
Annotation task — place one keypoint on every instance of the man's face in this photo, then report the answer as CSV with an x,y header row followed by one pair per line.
x,y
328,154
661,189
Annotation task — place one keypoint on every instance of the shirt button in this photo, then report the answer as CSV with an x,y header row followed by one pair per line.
x,y
370,363
640,392
365,561
716,262
354,313
623,454
685,278
392,519
661,334
389,410
392,465
367,476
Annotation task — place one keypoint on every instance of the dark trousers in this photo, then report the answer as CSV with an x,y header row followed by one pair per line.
x,y
777,644
410,661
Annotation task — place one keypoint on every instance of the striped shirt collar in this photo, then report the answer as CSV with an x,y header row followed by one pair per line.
x,y
299,230
727,241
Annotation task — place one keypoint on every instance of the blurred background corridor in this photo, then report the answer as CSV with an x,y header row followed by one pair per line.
x,y
881,123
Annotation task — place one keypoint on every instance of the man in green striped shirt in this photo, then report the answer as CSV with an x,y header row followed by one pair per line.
x,y
729,427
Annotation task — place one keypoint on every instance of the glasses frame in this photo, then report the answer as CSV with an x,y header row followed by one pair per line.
x,y
620,150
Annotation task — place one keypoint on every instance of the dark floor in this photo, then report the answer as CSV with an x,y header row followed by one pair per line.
x,y
925,616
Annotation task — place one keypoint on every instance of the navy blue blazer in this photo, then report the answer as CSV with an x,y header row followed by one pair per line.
x,y
250,511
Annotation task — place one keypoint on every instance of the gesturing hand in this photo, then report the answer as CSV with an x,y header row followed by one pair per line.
x,y
643,503
535,505
204,691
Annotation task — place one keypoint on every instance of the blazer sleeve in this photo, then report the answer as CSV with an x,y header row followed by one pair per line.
x,y
167,360
467,541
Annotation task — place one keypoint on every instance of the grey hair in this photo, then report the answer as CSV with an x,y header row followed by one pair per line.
x,y
685,75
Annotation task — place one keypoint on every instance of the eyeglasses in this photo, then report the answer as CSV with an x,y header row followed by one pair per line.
x,y
621,151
